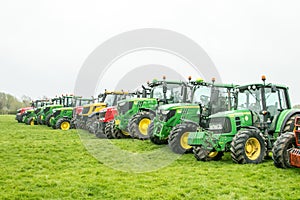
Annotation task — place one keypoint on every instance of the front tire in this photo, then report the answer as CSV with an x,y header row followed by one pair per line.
x,y
178,137
280,150
47,120
138,125
154,139
63,124
248,146
202,155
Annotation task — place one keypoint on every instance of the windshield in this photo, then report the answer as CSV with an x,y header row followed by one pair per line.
x,y
173,92
250,98
109,99
202,95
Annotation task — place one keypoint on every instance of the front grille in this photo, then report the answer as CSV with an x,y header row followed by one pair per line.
x,y
238,123
37,110
123,107
56,113
85,110
46,109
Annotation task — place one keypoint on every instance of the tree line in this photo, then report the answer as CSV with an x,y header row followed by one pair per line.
x,y
10,104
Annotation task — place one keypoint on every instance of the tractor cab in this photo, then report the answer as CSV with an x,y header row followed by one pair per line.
x,y
265,102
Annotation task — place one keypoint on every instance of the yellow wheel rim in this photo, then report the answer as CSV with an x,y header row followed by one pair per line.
x,y
184,141
125,133
143,125
213,154
252,148
31,123
65,126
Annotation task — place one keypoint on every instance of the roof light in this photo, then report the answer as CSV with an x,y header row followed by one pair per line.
x,y
263,77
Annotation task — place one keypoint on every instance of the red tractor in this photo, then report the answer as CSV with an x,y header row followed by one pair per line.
x,y
21,112
286,149
106,115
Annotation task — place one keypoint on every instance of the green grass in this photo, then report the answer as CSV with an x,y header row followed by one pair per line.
x,y
41,163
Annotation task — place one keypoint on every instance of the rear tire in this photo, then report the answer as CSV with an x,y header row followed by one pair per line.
x,y
248,146
63,124
289,125
280,150
178,137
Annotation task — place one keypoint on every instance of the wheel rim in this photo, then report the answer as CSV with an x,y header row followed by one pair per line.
x,y
184,141
143,125
213,154
31,123
252,148
65,126
125,133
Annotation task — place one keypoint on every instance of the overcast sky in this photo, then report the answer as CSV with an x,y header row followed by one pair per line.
x,y
43,43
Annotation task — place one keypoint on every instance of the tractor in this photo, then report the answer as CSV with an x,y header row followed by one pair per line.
x,y
108,114
77,110
110,100
21,113
261,113
100,118
173,121
30,116
58,102
135,115
61,117
88,114
286,149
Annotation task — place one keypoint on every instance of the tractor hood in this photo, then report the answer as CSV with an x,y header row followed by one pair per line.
x,y
232,113
177,106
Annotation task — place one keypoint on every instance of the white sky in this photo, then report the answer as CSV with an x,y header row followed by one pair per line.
x,y
44,43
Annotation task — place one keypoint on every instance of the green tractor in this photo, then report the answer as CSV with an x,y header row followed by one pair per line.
x,y
262,113
58,102
135,115
173,121
30,116
62,117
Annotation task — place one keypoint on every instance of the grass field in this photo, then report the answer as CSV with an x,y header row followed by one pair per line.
x,y
41,163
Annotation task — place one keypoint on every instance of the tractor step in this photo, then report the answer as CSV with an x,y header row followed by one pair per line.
x,y
295,157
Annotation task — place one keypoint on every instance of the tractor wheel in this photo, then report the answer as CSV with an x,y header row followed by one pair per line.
x,y
63,124
154,138
100,130
89,123
108,130
47,120
30,121
138,125
289,126
248,146
179,135
280,150
203,155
